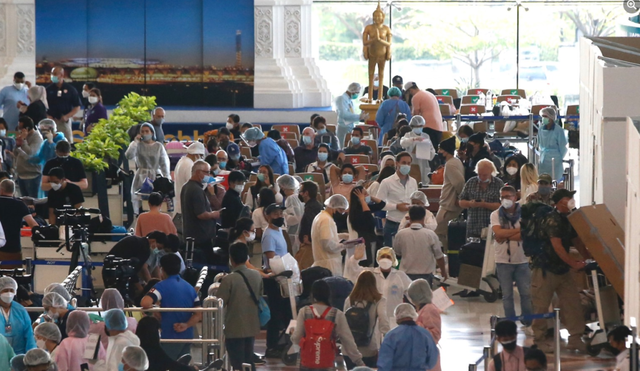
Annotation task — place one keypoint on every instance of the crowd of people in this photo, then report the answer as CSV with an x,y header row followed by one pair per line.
x,y
364,239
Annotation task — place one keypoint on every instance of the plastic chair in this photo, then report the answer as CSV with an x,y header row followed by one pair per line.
x,y
511,99
374,148
451,92
477,91
331,128
287,128
470,99
471,109
357,159
519,92
246,152
288,135
444,99
318,179
293,143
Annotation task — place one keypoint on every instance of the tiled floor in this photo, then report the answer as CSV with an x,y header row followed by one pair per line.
x,y
465,331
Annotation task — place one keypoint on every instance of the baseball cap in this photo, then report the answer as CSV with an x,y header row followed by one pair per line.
x,y
545,178
233,149
560,194
409,85
273,207
397,79
196,148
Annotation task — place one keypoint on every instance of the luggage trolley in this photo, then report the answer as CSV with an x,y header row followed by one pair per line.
x,y
481,280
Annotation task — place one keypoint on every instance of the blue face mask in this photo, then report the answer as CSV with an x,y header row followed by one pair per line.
x,y
216,171
367,199
322,131
121,367
54,79
405,169
207,179
306,139
354,96
322,156
464,140
486,181
355,140
147,137
417,131
261,177
347,178
234,158
223,164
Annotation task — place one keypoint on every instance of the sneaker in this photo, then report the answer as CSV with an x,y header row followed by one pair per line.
x,y
527,330
577,345
545,347
273,353
258,360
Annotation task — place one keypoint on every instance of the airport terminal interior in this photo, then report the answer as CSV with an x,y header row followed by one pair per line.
x,y
458,179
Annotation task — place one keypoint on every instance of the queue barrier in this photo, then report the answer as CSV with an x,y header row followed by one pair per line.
x,y
490,350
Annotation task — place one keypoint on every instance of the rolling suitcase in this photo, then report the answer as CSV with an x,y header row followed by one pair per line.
x,y
456,236
472,253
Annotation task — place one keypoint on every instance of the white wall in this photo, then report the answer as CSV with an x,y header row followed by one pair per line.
x,y
17,40
632,234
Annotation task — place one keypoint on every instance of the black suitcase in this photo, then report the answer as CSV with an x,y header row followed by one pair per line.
x,y
472,253
456,236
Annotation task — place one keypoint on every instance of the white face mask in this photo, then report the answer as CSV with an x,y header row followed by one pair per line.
x,y
507,203
3,133
571,204
18,85
252,236
41,344
85,94
385,263
93,100
229,125
55,186
53,315
512,170
239,188
7,297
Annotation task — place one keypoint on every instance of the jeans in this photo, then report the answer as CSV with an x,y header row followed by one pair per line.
x,y
240,351
390,229
521,275
30,187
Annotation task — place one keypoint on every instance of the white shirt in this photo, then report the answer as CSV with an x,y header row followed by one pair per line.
x,y
419,247
509,252
259,220
393,192
181,175
3,239
429,221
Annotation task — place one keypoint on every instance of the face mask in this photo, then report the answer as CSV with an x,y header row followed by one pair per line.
x,y
239,188
7,297
41,344
543,191
385,263
278,222
3,133
216,171
354,96
53,315
85,94
355,140
54,79
545,121
234,158
417,131
208,179
159,122
512,170
509,346
261,177
147,137
55,186
367,199
405,169
156,251
571,204
376,83
486,180
93,100
223,164
306,139
322,131
322,156
229,125
18,85
464,140
252,236
507,203
121,367
347,178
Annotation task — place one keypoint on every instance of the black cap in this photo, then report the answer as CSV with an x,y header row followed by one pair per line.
x,y
449,145
273,207
397,79
560,194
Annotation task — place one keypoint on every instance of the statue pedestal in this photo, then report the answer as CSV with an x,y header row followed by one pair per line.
x,y
372,110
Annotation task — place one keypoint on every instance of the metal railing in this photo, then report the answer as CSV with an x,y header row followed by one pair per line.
x,y
491,350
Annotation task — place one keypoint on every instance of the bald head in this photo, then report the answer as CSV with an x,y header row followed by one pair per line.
x,y
57,71
7,188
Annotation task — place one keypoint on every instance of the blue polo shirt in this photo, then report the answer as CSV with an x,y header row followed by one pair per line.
x,y
174,292
273,240
9,97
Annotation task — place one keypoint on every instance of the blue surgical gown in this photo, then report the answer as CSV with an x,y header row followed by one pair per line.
x,y
18,329
553,145
387,113
407,347
271,154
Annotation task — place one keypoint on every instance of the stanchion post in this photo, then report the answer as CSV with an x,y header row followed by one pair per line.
x,y
220,334
493,344
556,337
633,352
485,354
473,367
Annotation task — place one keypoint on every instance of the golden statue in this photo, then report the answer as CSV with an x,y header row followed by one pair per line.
x,y
376,40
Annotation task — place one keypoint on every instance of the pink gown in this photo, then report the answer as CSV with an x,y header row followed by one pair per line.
x,y
429,318
69,355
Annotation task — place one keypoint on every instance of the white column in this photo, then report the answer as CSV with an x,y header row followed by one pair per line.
x,y
17,40
286,75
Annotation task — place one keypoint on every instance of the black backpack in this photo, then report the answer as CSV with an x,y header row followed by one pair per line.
x,y
359,323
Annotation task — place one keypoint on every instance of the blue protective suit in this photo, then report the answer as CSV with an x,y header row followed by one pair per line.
x,y
553,145
273,155
18,329
47,150
387,113
407,347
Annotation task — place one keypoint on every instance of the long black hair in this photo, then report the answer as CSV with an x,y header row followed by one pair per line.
x,y
355,207
242,224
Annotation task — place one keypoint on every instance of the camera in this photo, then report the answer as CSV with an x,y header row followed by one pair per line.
x,y
117,273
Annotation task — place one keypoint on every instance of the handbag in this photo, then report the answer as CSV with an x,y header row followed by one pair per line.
x,y
263,309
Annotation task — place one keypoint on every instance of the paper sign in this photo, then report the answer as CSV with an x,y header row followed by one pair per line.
x,y
441,300
285,129
440,100
354,160
578,109
473,109
514,92
308,177
424,150
91,346
474,99
445,91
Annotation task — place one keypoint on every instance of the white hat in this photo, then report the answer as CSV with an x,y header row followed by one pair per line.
x,y
196,148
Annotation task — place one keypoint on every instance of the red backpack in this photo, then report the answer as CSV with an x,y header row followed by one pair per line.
x,y
318,347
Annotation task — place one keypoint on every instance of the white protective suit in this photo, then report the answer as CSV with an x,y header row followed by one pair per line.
x,y
408,143
181,175
325,243
292,217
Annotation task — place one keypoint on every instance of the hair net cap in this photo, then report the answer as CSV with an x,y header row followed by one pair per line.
x,y
8,283
387,158
114,319
417,121
57,287
252,134
354,88
153,130
48,124
420,292
49,331
135,357
287,182
420,196
54,300
405,310
387,251
337,201
36,357
394,92
17,363
78,324
196,148
550,111
110,299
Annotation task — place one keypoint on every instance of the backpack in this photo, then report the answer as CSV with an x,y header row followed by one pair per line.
x,y
532,229
497,360
318,347
359,322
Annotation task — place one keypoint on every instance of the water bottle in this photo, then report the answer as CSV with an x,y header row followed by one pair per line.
x,y
481,99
